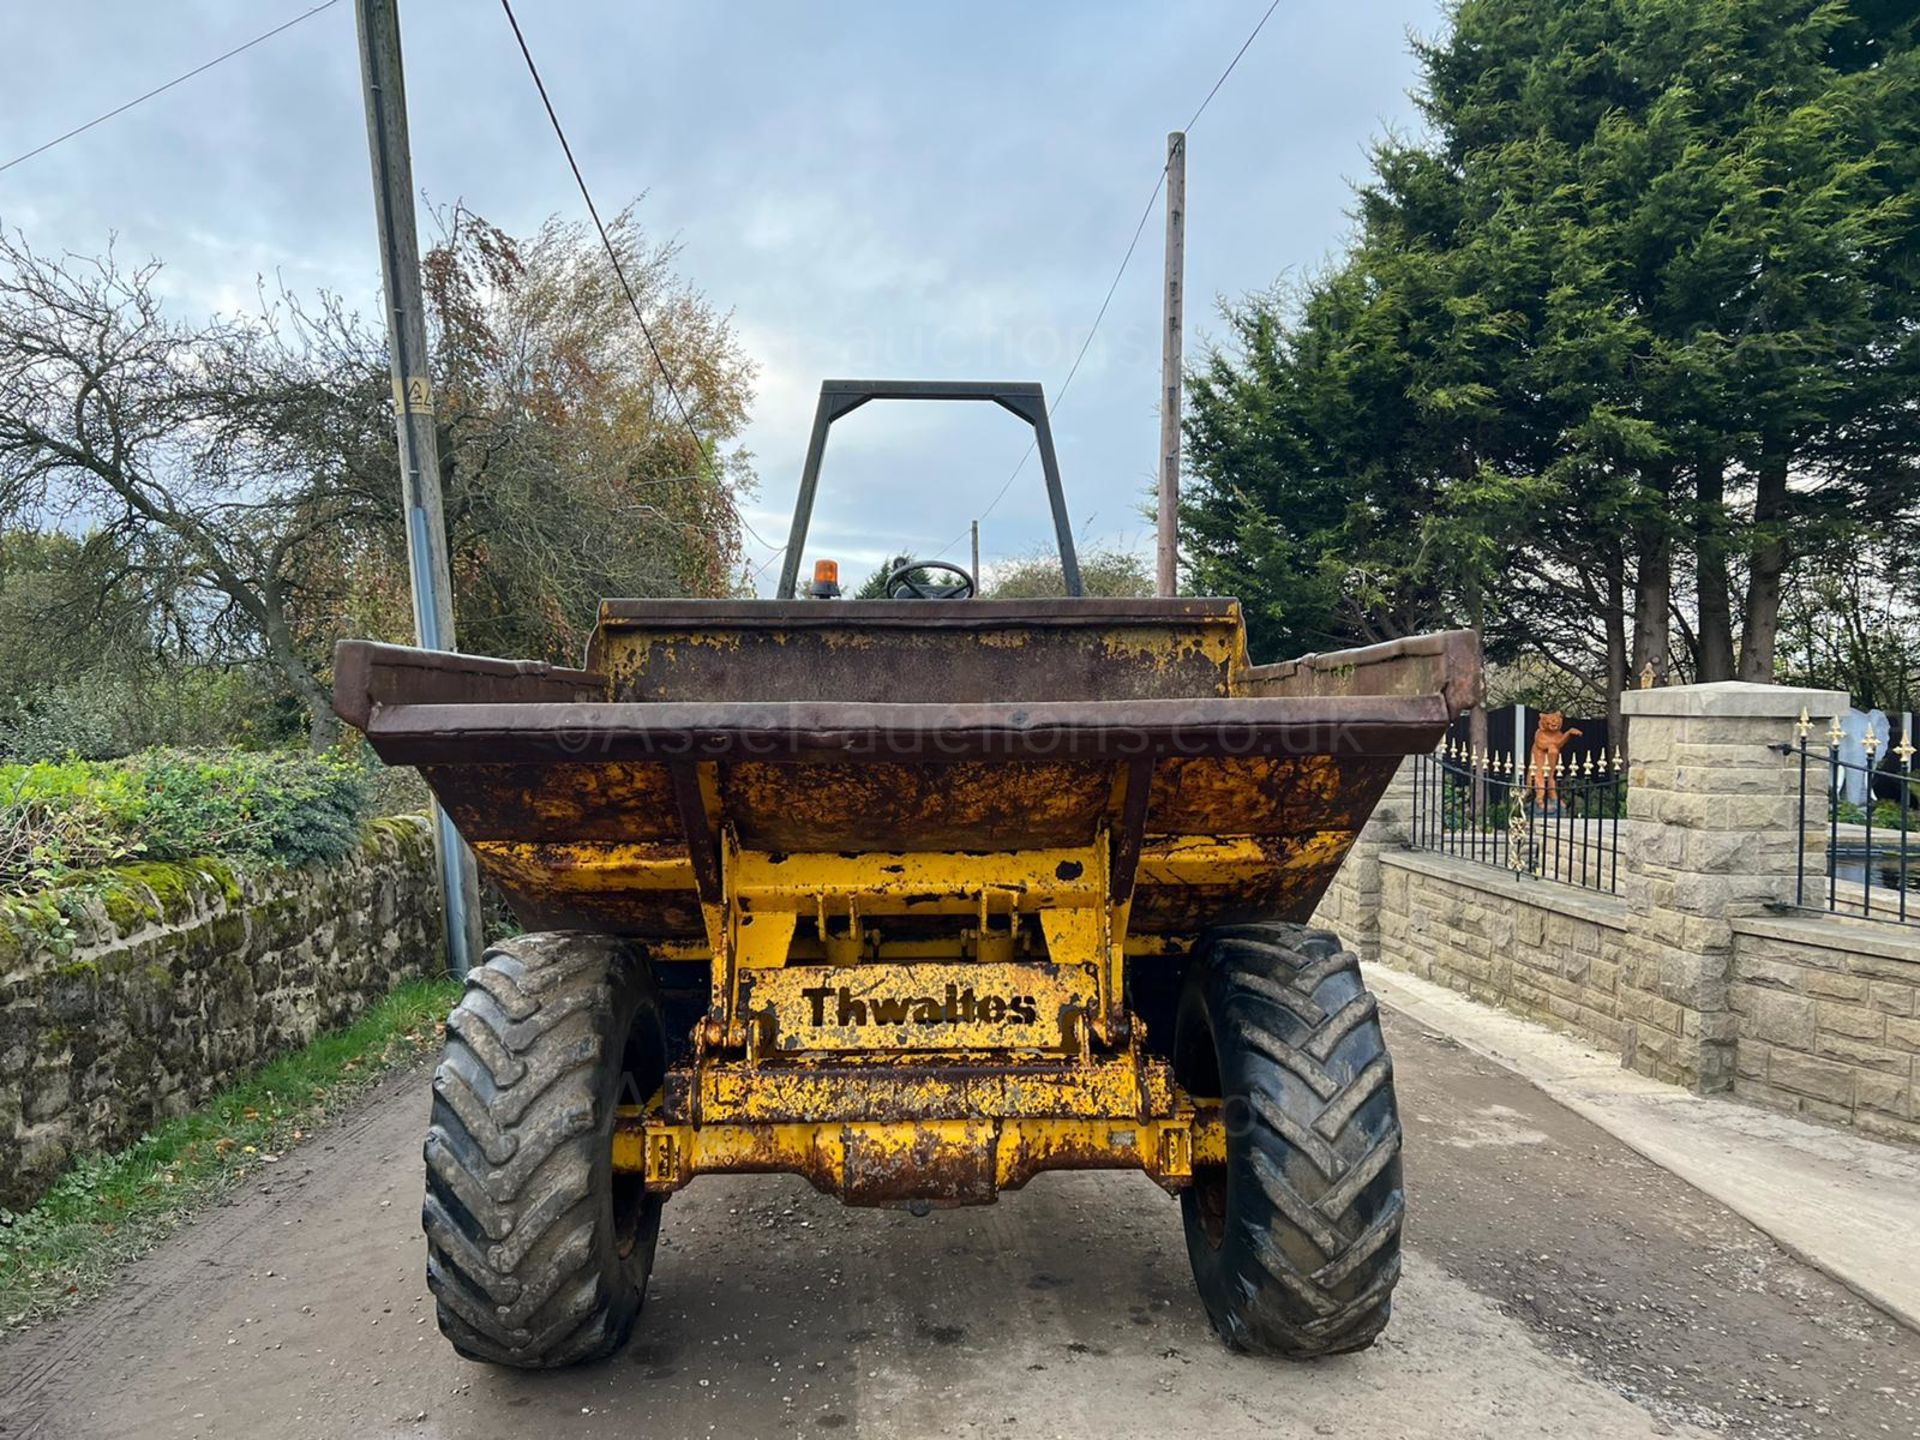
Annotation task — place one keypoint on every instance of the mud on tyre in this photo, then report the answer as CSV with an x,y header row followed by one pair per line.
x,y
537,1252
1295,1240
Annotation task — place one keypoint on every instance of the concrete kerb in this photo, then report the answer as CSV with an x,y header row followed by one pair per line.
x,y
1848,1206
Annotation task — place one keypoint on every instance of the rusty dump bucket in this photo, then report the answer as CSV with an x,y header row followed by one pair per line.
x,y
607,798
916,899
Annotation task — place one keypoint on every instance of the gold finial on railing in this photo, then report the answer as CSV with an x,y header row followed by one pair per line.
x,y
1835,734
1905,751
1648,675
1870,742
1619,759
1804,726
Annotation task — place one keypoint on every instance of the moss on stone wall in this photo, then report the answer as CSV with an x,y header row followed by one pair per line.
x,y
128,995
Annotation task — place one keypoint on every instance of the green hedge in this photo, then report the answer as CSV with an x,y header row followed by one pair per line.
x,y
66,816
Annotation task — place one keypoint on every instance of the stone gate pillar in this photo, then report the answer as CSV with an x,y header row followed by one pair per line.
x,y
1712,833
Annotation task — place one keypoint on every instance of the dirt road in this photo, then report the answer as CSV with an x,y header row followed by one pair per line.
x,y
1556,1285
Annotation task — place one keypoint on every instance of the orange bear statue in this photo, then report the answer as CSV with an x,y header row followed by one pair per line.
x,y
1542,766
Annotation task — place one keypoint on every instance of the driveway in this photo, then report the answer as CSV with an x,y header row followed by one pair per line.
x,y
1556,1284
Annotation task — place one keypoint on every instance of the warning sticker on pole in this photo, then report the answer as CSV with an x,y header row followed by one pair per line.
x,y
413,396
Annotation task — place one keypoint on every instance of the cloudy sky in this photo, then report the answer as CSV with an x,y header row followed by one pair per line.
x,y
897,190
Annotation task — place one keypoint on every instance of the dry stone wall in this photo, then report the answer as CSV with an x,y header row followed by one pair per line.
x,y
130,1001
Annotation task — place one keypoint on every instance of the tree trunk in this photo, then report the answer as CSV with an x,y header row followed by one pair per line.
x,y
1760,626
1710,562
1653,585
323,726
1616,622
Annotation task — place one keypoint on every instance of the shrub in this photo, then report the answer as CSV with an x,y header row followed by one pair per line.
x,y
1105,574
59,817
70,719
102,715
396,790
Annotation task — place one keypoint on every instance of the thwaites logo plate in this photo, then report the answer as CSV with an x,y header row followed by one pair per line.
x,y
921,1007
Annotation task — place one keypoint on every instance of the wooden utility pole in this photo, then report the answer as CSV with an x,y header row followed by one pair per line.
x,y
1166,576
386,96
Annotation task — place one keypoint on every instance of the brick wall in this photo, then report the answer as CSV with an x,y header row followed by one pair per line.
x,y
1542,950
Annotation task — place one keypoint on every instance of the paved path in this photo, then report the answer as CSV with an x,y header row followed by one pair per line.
x,y
1847,1205
1557,1284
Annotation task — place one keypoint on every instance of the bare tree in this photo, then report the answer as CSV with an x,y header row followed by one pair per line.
x,y
167,439
239,474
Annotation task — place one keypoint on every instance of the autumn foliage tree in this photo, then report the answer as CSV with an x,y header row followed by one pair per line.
x,y
569,470
235,478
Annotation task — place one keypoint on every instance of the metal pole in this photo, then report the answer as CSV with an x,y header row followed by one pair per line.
x,y
976,557
380,74
1166,576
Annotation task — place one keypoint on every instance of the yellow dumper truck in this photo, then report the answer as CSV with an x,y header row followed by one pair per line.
x,y
917,898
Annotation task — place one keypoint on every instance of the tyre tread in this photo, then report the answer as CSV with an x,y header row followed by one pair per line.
x,y
515,1261
1291,998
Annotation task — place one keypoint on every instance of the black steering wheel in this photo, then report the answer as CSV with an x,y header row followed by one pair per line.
x,y
901,584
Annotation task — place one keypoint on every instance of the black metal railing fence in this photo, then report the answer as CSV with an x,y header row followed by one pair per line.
x,y
1552,820
1871,855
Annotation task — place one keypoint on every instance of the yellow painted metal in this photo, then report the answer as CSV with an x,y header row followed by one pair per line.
x,y
1202,860
588,867
762,939
971,1005
960,944
766,896
925,1087
917,883
955,1161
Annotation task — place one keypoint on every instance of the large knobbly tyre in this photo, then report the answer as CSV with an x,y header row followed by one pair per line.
x,y
537,1252
1295,1241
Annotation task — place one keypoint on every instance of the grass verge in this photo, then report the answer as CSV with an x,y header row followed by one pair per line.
x,y
110,1208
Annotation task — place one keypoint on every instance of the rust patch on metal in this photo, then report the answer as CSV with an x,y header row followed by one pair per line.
x,y
562,801
868,651
962,805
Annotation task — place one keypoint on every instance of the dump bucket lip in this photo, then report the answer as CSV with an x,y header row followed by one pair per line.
x,y
800,731
917,614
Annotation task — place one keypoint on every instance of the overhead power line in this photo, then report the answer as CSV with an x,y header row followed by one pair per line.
x,y
606,241
1146,213
162,89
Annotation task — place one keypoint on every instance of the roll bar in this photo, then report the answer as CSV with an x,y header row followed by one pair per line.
x,y
840,397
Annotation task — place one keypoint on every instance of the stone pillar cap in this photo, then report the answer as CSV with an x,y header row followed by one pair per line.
x,y
1735,699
